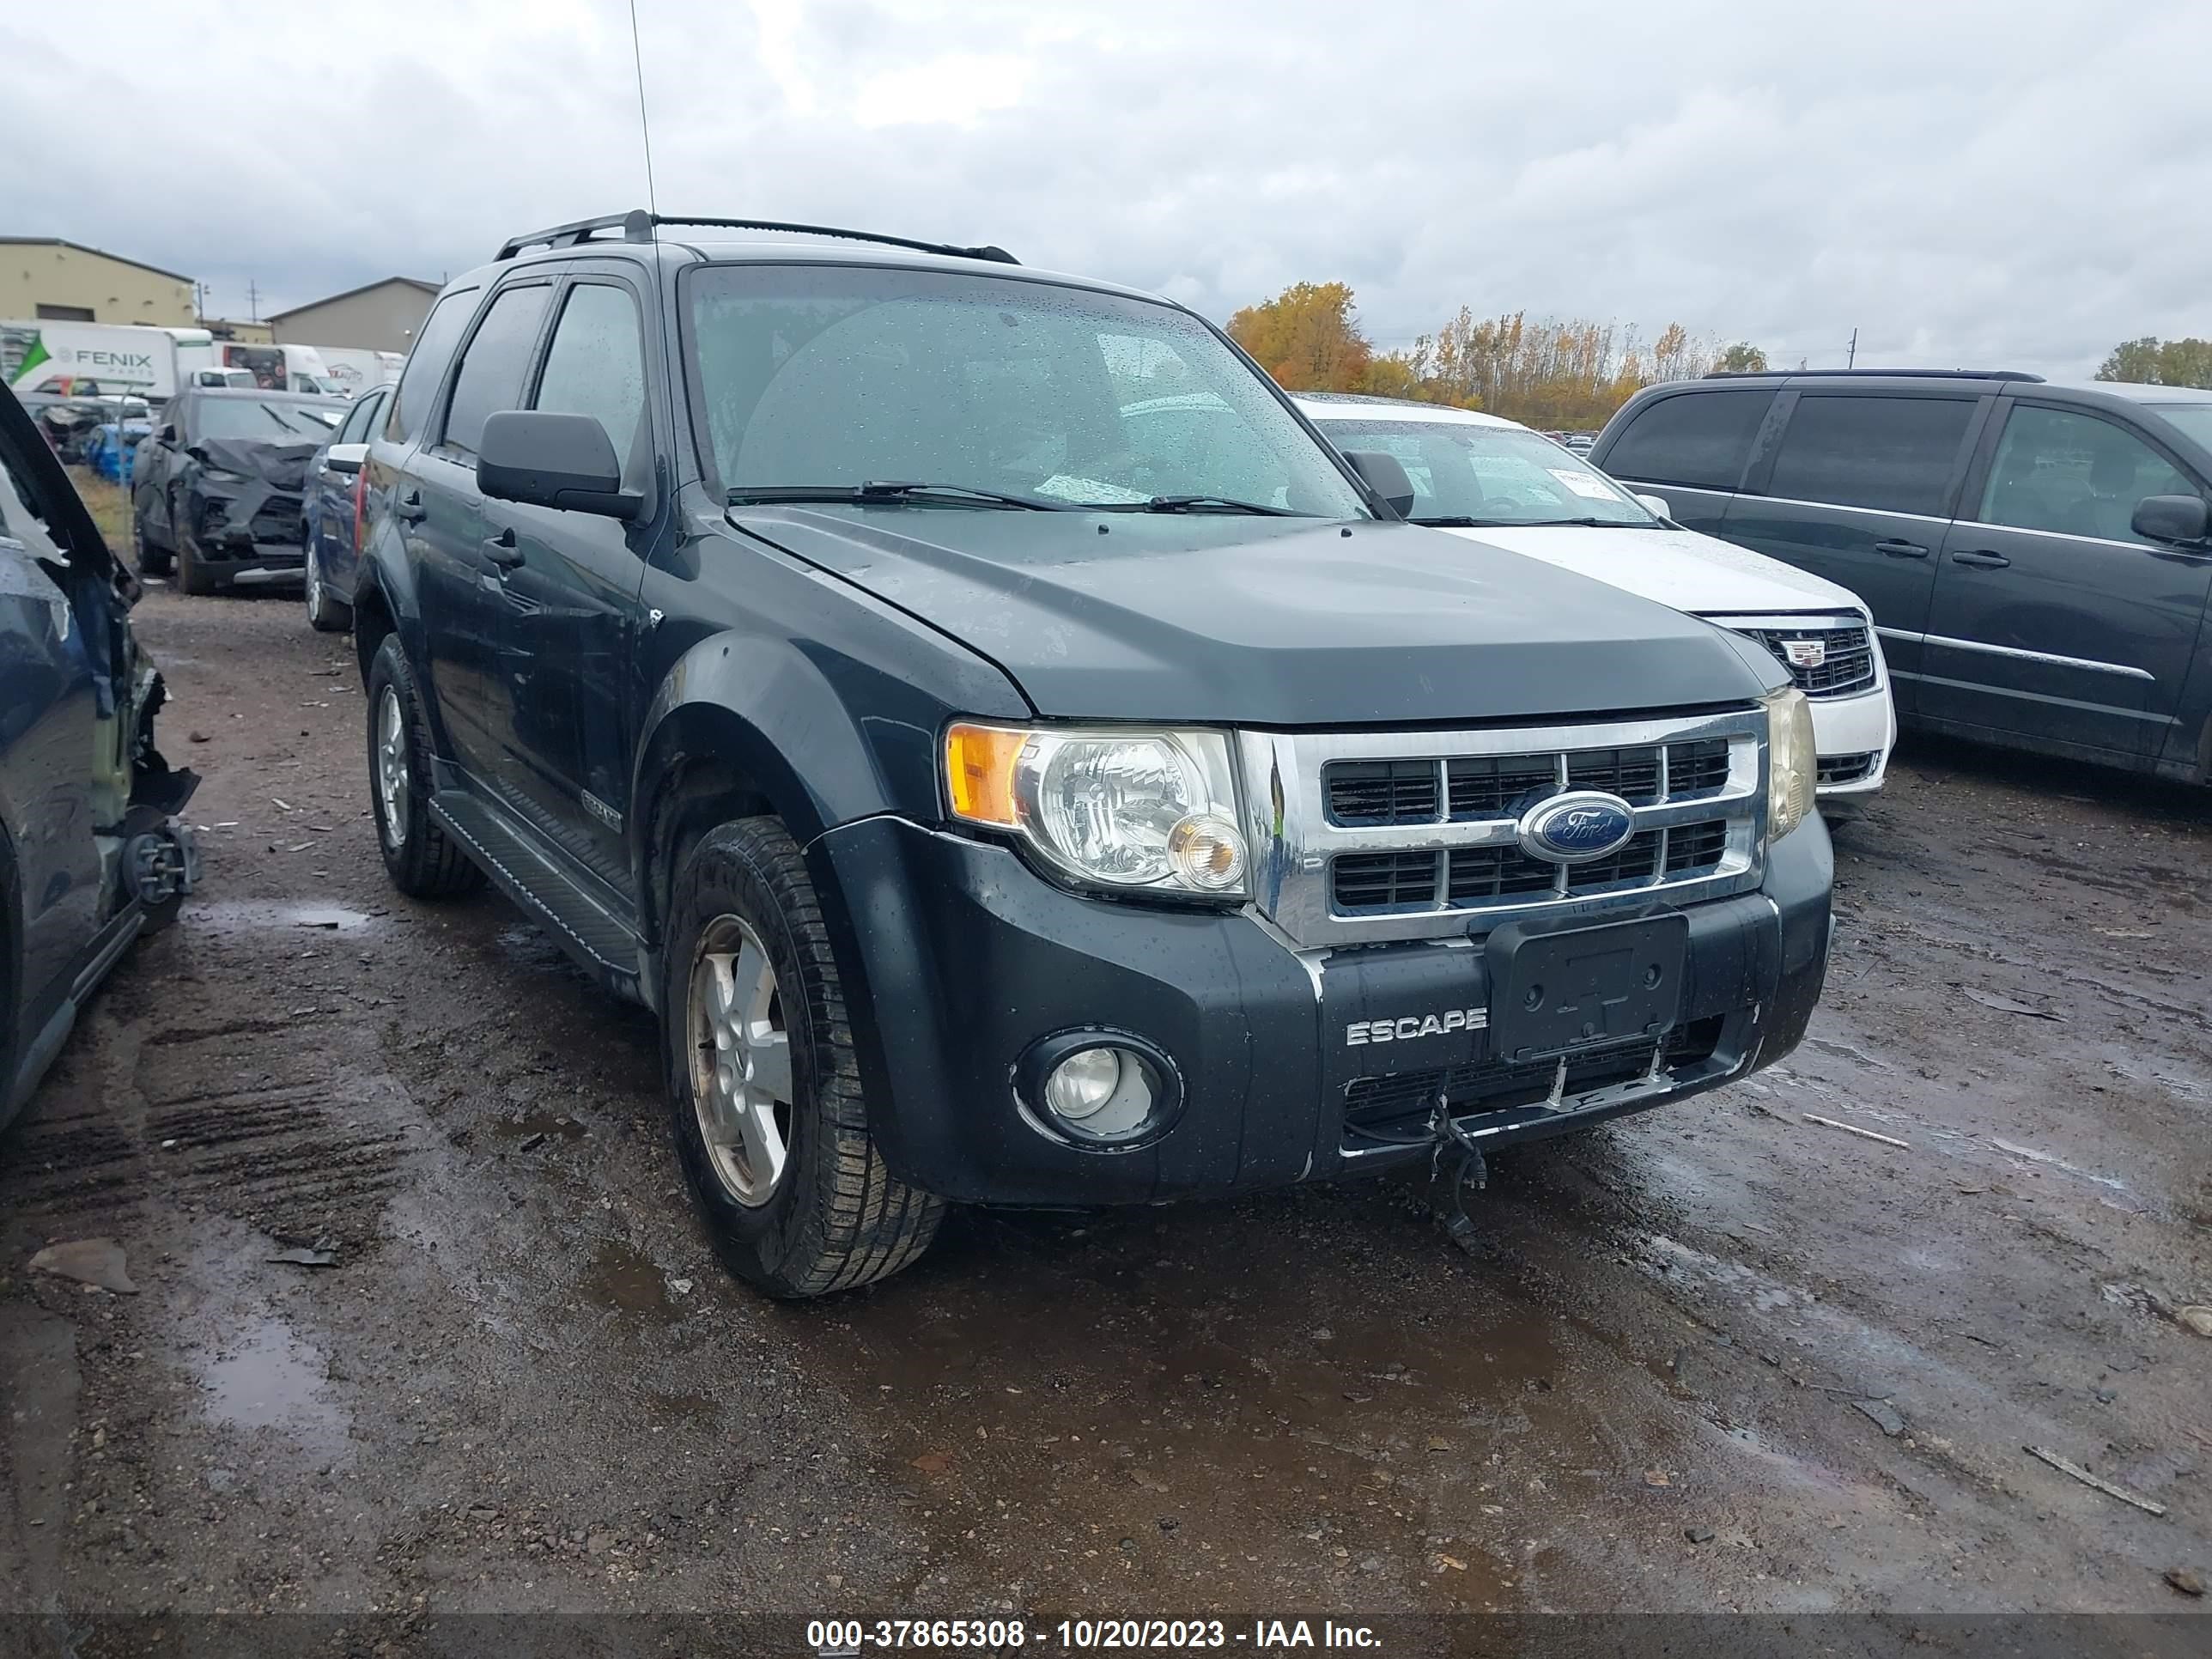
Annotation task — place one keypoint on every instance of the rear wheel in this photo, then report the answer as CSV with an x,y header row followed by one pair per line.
x,y
325,615
763,1084
422,861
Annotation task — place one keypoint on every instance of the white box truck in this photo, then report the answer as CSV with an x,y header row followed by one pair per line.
x,y
97,359
353,370
279,368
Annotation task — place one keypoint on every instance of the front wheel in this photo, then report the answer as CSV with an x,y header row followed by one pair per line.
x,y
151,558
764,1086
325,615
193,572
422,861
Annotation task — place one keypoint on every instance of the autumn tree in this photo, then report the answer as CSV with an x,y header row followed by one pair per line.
x,y
1309,337
1741,358
2151,362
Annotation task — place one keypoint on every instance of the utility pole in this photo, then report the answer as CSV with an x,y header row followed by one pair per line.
x,y
1852,361
253,305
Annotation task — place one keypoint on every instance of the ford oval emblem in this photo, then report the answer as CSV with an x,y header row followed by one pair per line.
x,y
1573,827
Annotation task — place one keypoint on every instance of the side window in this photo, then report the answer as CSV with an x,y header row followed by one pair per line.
x,y
595,364
426,364
2056,469
492,367
1701,438
1893,453
357,422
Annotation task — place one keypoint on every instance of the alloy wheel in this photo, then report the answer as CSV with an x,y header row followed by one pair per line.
x,y
741,1082
394,787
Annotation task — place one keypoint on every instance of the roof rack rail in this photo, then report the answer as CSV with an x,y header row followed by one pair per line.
x,y
638,226
1877,374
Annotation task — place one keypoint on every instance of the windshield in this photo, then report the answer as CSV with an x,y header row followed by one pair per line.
x,y
840,376
2194,419
245,417
1499,474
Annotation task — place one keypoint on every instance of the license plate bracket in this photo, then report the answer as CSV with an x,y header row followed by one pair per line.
x,y
1560,987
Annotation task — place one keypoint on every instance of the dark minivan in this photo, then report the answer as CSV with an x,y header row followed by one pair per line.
x,y
2036,555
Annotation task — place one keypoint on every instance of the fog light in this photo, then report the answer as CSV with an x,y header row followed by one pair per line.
x,y
1080,1085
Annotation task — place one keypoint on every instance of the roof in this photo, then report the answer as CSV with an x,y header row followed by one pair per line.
x,y
1345,406
430,289
774,248
254,394
99,252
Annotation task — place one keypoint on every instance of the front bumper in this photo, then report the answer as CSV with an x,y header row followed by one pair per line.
x,y
964,958
249,533
1853,736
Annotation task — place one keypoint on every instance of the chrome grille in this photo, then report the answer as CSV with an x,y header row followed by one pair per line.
x,y
1383,836
1846,651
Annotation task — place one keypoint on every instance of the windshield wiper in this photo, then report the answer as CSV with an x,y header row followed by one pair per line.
x,y
883,489
1209,504
1464,523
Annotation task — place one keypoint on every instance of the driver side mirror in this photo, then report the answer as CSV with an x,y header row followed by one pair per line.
x,y
562,461
1657,506
1385,477
2179,518
168,433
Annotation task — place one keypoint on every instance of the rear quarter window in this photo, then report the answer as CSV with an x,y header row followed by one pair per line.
x,y
1700,439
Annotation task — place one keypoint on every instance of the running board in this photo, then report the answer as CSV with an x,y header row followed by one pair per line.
x,y
603,945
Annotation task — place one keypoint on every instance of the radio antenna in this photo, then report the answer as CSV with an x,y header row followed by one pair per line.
x,y
644,126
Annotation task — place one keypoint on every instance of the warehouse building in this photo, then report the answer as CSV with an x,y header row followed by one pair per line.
x,y
383,316
46,278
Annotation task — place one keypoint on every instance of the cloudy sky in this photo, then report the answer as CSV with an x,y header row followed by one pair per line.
x,y
2016,184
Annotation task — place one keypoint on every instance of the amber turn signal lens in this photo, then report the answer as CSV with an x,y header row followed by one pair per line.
x,y
979,771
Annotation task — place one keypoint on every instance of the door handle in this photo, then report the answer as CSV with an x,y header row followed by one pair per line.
x,y
502,550
411,508
1980,559
1897,550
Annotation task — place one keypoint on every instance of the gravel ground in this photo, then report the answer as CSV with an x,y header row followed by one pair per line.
x,y
1714,1357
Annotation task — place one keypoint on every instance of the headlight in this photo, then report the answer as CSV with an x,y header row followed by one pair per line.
x,y
1792,764
1127,808
215,475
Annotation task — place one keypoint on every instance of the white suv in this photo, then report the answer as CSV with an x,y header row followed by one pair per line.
x,y
1494,480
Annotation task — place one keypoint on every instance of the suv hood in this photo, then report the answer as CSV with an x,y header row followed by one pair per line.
x,y
1679,567
283,465
1270,621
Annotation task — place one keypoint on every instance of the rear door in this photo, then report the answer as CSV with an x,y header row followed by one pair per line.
x,y
330,496
463,611
571,581
1692,447
2052,621
393,507
1859,488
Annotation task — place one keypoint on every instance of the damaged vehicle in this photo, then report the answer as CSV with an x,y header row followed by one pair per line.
x,y
1002,801
91,855
219,492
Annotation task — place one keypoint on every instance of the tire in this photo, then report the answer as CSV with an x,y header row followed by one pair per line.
x,y
324,614
193,575
832,1216
422,861
151,558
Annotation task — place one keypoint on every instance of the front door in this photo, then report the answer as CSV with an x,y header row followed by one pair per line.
x,y
1859,491
2052,619
571,582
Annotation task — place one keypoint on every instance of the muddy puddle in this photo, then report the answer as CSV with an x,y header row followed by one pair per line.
x,y
624,1277
239,916
265,1379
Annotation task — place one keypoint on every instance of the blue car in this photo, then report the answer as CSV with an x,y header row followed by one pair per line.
x,y
335,509
91,855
